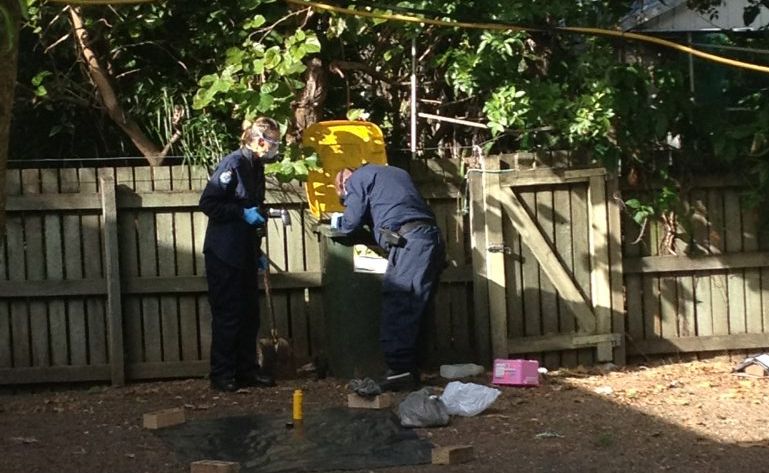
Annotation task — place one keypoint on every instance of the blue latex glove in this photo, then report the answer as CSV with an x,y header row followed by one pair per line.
x,y
262,263
252,216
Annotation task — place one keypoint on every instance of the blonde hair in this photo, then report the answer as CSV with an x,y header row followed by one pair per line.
x,y
260,127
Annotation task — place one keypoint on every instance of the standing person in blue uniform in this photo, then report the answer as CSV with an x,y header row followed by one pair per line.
x,y
385,199
233,200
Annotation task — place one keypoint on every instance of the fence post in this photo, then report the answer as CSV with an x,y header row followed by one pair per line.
x,y
495,262
480,281
112,274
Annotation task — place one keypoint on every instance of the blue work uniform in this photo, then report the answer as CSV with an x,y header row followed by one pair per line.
x,y
385,198
231,250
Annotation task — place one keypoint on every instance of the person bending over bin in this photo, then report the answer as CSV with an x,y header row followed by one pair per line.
x,y
233,200
385,199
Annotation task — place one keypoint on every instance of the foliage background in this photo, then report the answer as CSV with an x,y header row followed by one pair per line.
x,y
629,106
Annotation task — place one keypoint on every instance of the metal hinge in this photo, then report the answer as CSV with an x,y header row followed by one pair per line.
x,y
499,248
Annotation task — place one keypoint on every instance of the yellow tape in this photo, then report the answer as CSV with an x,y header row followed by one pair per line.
x,y
501,27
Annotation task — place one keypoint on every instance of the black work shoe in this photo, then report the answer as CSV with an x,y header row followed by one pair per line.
x,y
227,385
403,381
255,381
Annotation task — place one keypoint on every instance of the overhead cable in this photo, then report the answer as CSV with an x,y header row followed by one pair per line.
x,y
565,29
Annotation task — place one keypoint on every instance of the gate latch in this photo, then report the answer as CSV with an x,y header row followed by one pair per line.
x,y
500,248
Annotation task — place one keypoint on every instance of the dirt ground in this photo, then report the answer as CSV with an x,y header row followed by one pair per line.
x,y
683,417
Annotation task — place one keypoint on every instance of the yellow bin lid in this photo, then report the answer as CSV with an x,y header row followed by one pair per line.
x,y
339,144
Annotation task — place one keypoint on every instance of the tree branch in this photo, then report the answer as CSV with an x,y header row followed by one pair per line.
x,y
338,67
100,78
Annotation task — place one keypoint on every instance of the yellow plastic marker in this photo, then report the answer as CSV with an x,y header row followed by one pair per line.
x,y
298,416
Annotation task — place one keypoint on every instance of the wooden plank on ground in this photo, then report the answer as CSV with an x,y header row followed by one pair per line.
x,y
34,250
54,245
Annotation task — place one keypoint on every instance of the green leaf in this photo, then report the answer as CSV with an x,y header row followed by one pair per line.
x,y
255,23
40,77
272,57
312,45
265,102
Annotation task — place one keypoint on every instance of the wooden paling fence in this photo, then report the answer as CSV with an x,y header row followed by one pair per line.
x,y
547,261
700,283
102,276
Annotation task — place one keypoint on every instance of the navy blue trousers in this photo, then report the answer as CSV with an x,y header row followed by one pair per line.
x,y
409,285
233,294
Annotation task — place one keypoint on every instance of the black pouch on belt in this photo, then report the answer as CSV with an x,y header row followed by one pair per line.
x,y
392,238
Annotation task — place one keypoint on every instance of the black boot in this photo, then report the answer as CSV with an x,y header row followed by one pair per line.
x,y
255,380
227,385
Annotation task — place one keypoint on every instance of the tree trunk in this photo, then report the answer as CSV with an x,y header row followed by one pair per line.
x,y
308,106
9,53
101,80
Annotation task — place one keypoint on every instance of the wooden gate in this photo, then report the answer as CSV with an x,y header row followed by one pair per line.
x,y
547,263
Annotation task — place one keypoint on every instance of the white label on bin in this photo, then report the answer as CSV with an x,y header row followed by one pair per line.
x,y
499,370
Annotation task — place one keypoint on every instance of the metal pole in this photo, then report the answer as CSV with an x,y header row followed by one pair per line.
x,y
414,98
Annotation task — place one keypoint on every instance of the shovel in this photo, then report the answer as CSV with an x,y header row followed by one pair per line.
x,y
275,350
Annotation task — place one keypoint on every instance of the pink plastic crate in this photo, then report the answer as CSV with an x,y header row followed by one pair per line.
x,y
515,372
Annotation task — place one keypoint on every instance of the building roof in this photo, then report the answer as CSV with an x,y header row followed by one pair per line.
x,y
675,16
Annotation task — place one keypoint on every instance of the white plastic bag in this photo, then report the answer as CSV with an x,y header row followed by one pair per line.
x,y
468,399
460,370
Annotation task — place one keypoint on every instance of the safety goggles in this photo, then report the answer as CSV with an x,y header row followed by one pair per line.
x,y
271,142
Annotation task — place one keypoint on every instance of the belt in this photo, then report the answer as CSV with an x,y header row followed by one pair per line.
x,y
413,225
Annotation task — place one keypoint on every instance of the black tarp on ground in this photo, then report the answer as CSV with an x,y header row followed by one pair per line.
x,y
331,439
